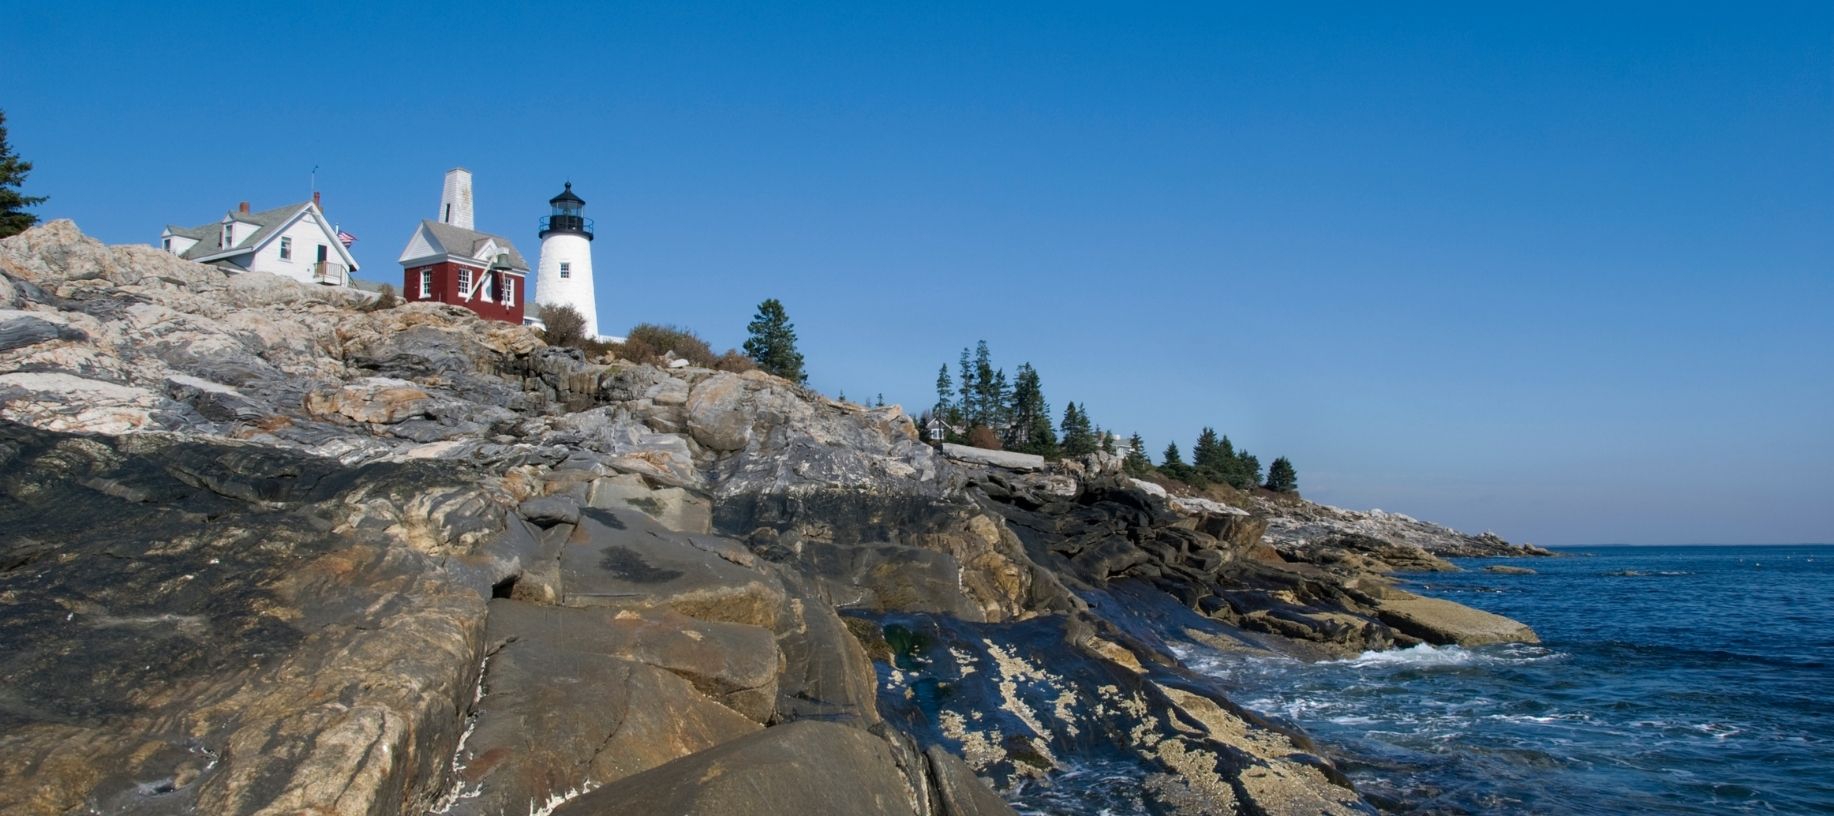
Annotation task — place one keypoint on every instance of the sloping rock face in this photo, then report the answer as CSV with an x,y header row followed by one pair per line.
x,y
267,552
1400,541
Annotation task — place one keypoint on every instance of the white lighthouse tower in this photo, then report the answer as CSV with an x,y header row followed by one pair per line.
x,y
564,275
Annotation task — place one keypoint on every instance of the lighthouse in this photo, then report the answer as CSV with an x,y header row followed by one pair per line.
x,y
563,276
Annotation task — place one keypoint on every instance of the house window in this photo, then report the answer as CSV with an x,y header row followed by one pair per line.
x,y
426,283
229,237
566,269
286,249
167,243
464,283
509,291
489,286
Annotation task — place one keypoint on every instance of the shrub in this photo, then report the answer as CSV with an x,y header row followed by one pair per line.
x,y
981,436
735,361
385,299
652,343
563,326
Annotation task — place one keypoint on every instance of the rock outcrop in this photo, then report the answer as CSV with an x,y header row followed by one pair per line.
x,y
268,552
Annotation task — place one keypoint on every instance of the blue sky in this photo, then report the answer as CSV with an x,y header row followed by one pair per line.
x,y
1561,271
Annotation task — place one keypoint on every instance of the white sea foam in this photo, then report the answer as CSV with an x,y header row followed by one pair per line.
x,y
1421,656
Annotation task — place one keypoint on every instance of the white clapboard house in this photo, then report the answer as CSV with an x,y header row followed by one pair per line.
x,y
294,241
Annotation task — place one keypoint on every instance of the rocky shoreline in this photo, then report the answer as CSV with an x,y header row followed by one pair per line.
x,y
270,552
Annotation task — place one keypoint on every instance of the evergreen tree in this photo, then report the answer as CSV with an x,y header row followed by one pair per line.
x,y
944,388
1107,438
1173,465
1207,455
1247,470
13,217
772,342
1027,415
1282,477
1136,463
1171,457
964,407
999,397
1239,468
1078,437
987,395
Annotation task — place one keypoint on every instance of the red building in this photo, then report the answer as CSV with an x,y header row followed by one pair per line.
x,y
449,262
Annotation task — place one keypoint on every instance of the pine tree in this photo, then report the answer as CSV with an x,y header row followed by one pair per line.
x,y
1282,477
13,217
1247,470
1173,466
944,388
986,392
772,342
1026,415
1078,437
1171,457
1207,455
965,407
999,396
1107,438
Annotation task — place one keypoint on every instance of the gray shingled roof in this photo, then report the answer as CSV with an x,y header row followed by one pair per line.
x,y
267,222
468,243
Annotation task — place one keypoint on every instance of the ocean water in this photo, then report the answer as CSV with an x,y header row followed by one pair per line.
x,y
1673,680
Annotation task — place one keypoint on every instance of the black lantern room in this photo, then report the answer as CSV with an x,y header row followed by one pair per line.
x,y
565,216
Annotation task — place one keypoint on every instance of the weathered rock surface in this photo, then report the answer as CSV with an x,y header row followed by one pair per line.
x,y
1440,621
1009,460
803,768
266,552
1297,525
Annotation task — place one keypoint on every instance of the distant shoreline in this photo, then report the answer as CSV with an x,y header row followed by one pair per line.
x,y
1639,546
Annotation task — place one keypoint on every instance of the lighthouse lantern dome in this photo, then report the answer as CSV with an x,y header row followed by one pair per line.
x,y
567,203
565,215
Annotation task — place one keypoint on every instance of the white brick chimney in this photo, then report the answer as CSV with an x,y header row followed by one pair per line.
x,y
455,199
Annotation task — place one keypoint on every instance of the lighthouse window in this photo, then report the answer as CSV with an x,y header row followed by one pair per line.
x,y
426,283
566,269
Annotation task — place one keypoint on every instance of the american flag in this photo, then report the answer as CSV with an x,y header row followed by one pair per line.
x,y
346,238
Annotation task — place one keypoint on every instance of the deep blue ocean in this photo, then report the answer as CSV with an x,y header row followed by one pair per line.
x,y
1672,680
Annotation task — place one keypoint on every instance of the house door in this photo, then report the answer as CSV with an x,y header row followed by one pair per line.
x,y
323,253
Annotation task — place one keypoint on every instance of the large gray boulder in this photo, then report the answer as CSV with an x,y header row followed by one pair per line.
x,y
571,704
798,769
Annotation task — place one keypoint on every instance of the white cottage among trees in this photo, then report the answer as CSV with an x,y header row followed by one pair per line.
x,y
295,241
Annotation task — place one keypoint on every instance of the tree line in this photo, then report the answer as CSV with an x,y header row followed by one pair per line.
x,y
1214,460
980,406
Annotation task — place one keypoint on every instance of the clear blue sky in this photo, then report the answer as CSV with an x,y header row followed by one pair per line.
x,y
1561,271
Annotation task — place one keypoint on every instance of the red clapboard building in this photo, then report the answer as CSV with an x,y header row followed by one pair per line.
x,y
449,262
